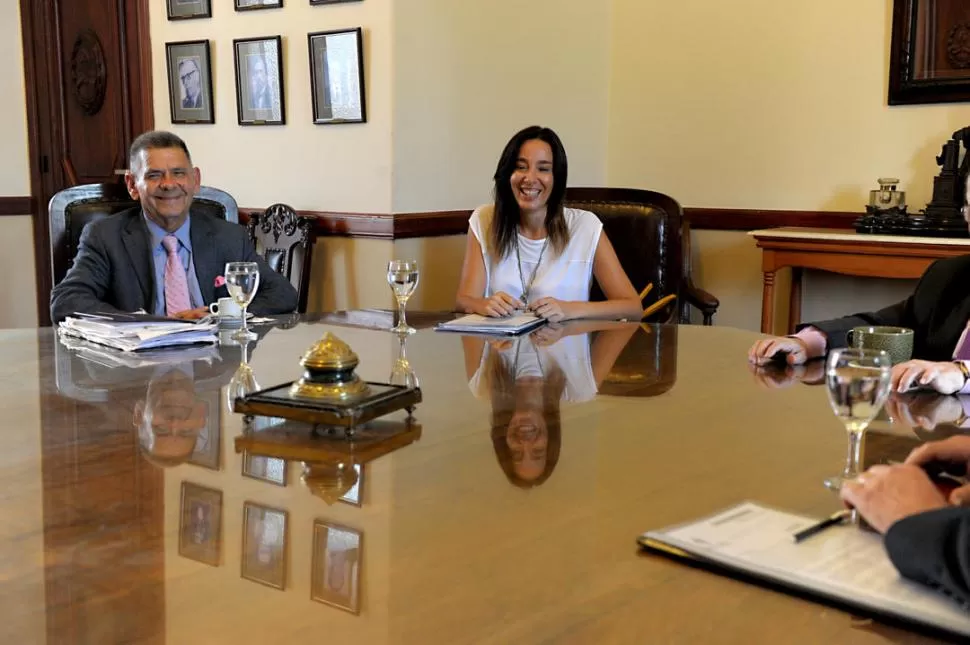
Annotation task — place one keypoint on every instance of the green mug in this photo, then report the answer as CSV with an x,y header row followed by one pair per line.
x,y
895,341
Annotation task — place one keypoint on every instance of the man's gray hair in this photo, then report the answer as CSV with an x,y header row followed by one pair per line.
x,y
153,140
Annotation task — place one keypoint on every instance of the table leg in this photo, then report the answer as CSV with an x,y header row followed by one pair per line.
x,y
768,303
795,299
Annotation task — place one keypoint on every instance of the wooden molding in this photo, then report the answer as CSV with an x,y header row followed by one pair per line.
x,y
21,205
397,226
738,219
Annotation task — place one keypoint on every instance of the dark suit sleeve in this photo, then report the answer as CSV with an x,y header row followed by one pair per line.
x,y
87,282
934,548
275,294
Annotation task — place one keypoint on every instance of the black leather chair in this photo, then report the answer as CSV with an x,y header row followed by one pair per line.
x,y
285,240
652,241
73,208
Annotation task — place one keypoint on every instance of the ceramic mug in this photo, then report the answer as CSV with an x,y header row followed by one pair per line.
x,y
226,309
896,341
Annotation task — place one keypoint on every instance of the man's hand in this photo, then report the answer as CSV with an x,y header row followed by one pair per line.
x,y
883,495
924,411
500,304
944,377
192,314
776,376
764,350
953,454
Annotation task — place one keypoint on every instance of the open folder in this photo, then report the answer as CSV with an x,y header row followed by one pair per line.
x,y
505,326
843,565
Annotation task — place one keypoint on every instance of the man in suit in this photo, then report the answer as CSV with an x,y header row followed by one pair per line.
x,y
926,526
260,96
938,312
124,261
191,79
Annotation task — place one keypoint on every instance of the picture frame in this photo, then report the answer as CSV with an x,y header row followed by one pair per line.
x,y
929,61
268,469
335,566
208,445
260,98
200,524
337,87
189,81
355,495
264,545
313,2
188,9
255,5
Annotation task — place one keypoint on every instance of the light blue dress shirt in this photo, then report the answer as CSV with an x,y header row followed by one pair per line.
x,y
160,257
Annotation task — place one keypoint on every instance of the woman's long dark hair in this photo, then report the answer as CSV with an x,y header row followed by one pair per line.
x,y
505,222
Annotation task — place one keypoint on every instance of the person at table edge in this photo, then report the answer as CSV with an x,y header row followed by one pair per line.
x,y
938,312
926,527
121,259
527,251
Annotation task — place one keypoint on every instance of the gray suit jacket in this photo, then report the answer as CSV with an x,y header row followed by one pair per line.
x,y
113,269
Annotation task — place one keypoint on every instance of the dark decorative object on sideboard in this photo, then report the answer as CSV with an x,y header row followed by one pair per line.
x,y
885,210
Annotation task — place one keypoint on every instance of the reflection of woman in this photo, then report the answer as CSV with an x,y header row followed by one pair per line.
x,y
526,378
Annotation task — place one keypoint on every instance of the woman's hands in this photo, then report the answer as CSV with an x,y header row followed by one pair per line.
x,y
498,305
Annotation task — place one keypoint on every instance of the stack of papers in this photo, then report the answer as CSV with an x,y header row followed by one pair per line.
x,y
505,326
163,356
137,332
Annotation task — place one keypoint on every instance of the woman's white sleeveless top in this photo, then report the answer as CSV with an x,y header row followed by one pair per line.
x,y
567,276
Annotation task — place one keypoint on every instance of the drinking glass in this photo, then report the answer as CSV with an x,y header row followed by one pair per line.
x,y
402,276
243,380
858,382
242,280
402,373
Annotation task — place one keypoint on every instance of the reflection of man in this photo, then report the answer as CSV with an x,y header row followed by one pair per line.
x,y
158,257
200,523
191,78
170,417
260,97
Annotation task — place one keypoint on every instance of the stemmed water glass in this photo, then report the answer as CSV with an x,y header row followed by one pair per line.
x,y
402,276
858,382
242,280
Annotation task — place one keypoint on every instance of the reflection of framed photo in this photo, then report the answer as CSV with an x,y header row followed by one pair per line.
x,y
355,494
337,76
185,9
189,81
264,545
335,566
259,81
208,445
267,469
200,523
246,5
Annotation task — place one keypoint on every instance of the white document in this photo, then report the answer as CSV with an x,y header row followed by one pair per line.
x,y
842,562
133,336
506,326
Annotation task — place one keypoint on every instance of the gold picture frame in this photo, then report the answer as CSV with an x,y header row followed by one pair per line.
x,y
335,566
264,545
200,524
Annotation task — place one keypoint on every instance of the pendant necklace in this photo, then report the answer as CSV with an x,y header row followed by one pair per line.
x,y
526,288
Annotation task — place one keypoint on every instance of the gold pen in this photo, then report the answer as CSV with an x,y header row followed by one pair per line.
x,y
831,520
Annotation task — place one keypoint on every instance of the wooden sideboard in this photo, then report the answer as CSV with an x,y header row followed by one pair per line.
x,y
845,252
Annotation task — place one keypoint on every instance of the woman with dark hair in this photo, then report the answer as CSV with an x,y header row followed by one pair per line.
x,y
526,251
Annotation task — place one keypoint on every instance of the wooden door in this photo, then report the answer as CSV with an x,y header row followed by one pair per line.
x,y
88,76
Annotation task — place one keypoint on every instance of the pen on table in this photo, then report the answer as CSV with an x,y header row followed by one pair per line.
x,y
831,520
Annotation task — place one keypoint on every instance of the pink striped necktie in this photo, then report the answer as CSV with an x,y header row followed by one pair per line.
x,y
176,285
962,352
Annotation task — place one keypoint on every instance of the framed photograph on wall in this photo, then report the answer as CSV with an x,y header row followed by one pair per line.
x,y
259,80
267,469
187,9
337,76
312,2
264,545
189,81
246,5
200,524
335,566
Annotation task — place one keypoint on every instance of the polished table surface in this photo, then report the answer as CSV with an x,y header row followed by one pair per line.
x,y
453,540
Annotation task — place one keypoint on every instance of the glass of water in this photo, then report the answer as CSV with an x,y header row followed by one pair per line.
x,y
242,280
402,276
858,382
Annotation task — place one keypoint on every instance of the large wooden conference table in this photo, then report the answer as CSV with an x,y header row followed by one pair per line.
x,y
449,549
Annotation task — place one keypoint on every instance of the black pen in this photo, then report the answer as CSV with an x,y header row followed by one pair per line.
x,y
831,520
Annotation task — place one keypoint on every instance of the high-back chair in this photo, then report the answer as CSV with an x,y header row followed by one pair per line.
x,y
73,208
652,240
285,240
